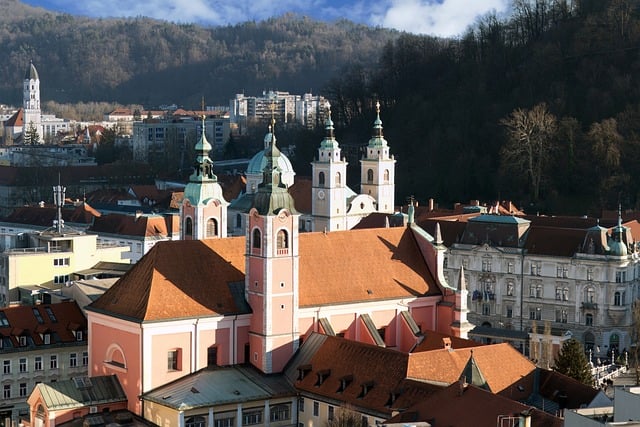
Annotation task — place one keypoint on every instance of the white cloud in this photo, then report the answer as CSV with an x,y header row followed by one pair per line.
x,y
447,18
436,17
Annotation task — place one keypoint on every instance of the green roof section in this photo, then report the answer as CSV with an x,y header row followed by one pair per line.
x,y
81,391
499,219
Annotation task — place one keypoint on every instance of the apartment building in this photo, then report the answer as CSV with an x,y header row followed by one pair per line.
x,y
39,343
534,276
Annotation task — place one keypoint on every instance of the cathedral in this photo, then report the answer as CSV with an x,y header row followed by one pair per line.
x,y
216,300
29,117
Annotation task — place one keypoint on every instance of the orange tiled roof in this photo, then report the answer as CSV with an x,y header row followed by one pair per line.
x,y
22,321
433,340
129,225
339,267
446,366
465,405
381,370
178,279
362,265
16,120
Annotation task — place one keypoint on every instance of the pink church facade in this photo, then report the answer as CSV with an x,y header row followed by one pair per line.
x,y
199,302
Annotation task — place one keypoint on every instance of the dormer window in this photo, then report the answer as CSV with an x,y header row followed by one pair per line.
x,y
22,341
79,335
46,338
322,376
393,396
365,389
303,371
344,382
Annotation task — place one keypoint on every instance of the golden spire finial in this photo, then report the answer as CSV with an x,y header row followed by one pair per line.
x,y
378,107
202,107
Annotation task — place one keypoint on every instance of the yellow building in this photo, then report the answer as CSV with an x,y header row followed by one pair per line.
x,y
49,259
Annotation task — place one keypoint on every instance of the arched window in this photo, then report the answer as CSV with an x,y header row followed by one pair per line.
x,y
614,342
588,319
589,341
386,175
282,241
256,240
212,227
238,221
195,422
617,298
370,176
188,227
338,178
321,179
589,295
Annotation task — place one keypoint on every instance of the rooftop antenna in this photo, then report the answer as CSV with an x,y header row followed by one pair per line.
x,y
58,200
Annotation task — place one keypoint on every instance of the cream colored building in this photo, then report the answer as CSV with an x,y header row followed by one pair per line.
x,y
49,260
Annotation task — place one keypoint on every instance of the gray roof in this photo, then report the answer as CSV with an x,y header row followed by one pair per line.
x,y
81,391
499,219
32,73
219,386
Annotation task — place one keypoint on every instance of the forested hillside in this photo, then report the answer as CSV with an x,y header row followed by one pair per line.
x,y
145,61
543,108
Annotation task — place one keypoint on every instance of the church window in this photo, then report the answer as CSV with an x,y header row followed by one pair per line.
x,y
282,242
238,221
212,227
256,239
321,179
188,227
338,178
386,176
370,176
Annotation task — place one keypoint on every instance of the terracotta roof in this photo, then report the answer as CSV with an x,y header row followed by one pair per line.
x,y
463,405
332,373
22,321
16,120
150,195
446,366
44,216
554,384
365,265
178,279
433,340
554,241
376,264
131,225
301,193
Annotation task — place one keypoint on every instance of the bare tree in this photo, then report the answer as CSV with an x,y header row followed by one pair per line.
x,y
531,142
345,416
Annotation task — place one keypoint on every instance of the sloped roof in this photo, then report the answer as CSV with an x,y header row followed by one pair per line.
x,y
22,321
554,241
301,193
465,405
44,216
220,386
130,225
16,120
433,340
81,392
178,279
338,267
382,371
362,265
553,385
445,366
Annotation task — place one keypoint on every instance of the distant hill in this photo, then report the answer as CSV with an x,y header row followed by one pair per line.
x,y
146,61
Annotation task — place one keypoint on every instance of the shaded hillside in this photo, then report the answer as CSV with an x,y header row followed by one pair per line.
x,y
149,62
445,101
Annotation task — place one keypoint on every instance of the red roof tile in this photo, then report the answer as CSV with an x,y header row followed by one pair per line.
x,y
339,267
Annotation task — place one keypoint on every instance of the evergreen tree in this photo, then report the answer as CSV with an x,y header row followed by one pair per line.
x,y
572,362
31,136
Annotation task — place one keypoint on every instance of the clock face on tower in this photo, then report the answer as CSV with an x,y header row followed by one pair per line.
x,y
321,195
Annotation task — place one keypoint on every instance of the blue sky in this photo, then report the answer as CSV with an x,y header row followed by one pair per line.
x,y
447,18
